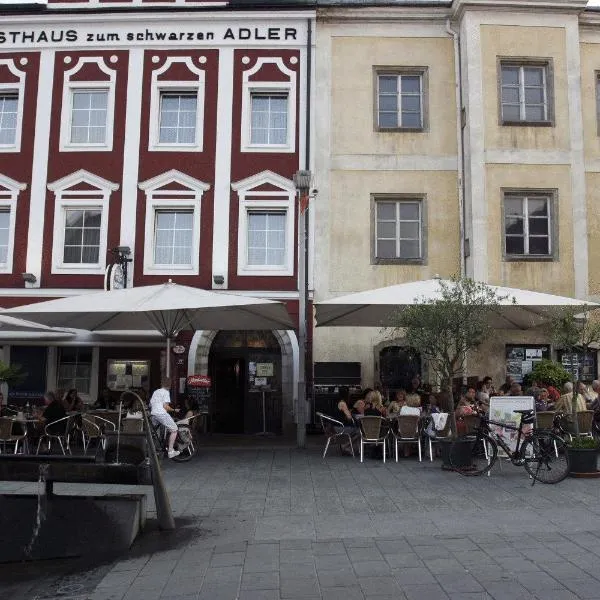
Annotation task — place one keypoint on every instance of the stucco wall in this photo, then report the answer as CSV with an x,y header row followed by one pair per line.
x,y
524,42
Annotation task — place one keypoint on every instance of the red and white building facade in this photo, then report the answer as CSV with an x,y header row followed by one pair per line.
x,y
169,128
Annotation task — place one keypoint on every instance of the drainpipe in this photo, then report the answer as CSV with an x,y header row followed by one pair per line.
x,y
460,142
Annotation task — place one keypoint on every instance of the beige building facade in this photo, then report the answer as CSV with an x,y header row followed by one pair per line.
x,y
456,138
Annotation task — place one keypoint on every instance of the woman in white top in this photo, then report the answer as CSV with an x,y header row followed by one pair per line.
x,y
160,407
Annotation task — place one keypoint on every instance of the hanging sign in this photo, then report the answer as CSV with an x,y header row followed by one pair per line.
x,y
264,369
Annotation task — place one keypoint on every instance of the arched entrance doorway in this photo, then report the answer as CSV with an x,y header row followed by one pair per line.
x,y
244,366
397,366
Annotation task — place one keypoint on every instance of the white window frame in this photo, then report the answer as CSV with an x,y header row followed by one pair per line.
x,y
547,97
9,192
266,87
396,202
525,197
83,395
399,74
19,89
69,87
168,199
66,198
185,87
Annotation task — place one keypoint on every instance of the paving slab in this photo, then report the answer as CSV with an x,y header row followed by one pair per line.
x,y
258,524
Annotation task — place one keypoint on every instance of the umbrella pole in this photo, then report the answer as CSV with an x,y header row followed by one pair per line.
x,y
168,358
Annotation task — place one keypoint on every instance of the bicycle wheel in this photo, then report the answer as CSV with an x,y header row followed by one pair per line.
x,y
473,454
545,457
184,443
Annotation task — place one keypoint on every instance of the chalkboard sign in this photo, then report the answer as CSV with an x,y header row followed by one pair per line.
x,y
199,391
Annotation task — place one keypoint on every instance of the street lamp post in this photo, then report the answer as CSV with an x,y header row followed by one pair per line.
x,y
302,181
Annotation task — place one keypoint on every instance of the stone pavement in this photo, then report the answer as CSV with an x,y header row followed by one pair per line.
x,y
286,524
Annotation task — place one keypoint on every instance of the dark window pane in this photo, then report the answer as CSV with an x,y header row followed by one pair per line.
x,y
411,103
514,225
511,113
538,226
515,245
534,95
411,84
409,249
386,230
387,84
510,75
388,119
411,120
510,95
386,249
388,103
409,230
533,75
538,207
409,211
534,113
539,245
386,211
513,206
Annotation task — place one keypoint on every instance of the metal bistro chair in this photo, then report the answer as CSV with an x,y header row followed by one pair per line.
x,y
545,419
585,419
374,432
445,433
59,434
8,437
91,431
333,430
405,429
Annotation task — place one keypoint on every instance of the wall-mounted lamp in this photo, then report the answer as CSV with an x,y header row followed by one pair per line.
x,y
29,278
219,279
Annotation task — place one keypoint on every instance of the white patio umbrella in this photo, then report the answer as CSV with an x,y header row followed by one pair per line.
x,y
519,309
13,325
167,308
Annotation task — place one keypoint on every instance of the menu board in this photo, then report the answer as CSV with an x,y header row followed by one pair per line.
x,y
520,360
124,375
199,392
502,409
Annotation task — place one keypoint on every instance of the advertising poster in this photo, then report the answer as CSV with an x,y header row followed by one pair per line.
x,y
521,360
502,409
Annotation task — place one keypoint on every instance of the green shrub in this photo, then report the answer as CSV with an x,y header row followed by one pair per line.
x,y
585,443
549,373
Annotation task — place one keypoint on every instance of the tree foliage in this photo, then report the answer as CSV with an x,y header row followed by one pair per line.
x,y
548,372
12,375
446,328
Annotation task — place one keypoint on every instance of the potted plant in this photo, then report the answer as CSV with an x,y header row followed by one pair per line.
x,y
10,375
583,457
446,329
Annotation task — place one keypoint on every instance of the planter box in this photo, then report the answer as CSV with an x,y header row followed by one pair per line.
x,y
583,460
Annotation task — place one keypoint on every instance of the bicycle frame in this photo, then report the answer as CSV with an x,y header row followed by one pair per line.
x,y
485,427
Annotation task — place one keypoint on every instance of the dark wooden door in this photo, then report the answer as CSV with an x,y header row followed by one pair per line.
x,y
229,390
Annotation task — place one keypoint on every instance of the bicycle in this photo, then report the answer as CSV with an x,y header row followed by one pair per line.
x,y
184,442
541,452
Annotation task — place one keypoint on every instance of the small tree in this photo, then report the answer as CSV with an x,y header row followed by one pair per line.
x,y
574,329
446,329
11,375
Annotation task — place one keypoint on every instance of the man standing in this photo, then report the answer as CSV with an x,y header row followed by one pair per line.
x,y
160,407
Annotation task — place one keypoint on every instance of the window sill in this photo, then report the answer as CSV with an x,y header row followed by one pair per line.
x,y
528,258
170,270
268,148
175,148
86,148
527,123
398,261
265,272
11,148
78,270
400,129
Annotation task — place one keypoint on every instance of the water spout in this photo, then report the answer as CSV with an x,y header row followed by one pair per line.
x,y
41,508
119,429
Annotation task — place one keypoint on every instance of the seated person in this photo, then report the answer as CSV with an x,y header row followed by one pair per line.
x,y
358,409
542,401
54,411
374,404
432,405
564,403
104,401
397,403
72,402
463,408
515,389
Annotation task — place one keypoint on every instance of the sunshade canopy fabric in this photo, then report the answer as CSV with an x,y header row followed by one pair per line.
x,y
519,309
168,308
13,324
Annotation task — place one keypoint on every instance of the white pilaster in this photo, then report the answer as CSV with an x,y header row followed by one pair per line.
x,y
222,193
39,171
475,196
131,155
578,187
